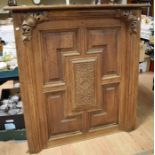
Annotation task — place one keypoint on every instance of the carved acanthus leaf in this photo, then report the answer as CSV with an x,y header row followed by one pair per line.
x,y
130,19
30,23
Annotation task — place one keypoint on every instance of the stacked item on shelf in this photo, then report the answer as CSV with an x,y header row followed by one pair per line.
x,y
11,108
8,59
10,103
11,111
8,62
147,27
147,43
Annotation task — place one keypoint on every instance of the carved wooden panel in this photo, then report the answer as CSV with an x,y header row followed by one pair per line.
x,y
78,69
84,83
80,74
56,46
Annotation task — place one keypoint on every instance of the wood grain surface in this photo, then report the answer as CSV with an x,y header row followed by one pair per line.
x,y
137,142
78,71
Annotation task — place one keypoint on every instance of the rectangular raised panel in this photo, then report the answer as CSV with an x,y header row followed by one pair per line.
x,y
58,122
54,45
105,41
84,93
109,112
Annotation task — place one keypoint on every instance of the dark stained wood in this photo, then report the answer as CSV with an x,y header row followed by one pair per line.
x,y
78,71
83,6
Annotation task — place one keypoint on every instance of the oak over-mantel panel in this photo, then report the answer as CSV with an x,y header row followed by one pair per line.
x,y
68,7
78,68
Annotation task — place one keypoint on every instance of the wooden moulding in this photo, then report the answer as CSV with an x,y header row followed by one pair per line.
x,y
69,7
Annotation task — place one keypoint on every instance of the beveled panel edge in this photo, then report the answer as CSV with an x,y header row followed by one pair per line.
x,y
111,79
54,87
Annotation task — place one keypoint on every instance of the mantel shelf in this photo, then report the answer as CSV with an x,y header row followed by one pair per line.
x,y
87,6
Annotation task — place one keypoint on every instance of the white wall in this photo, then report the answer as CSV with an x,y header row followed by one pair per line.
x,y
124,1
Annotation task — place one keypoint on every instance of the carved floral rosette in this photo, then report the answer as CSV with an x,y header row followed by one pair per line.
x,y
30,23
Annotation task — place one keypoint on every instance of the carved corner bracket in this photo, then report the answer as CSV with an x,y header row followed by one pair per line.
x,y
30,22
130,19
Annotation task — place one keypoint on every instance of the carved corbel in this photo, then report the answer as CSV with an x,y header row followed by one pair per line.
x,y
130,19
30,23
